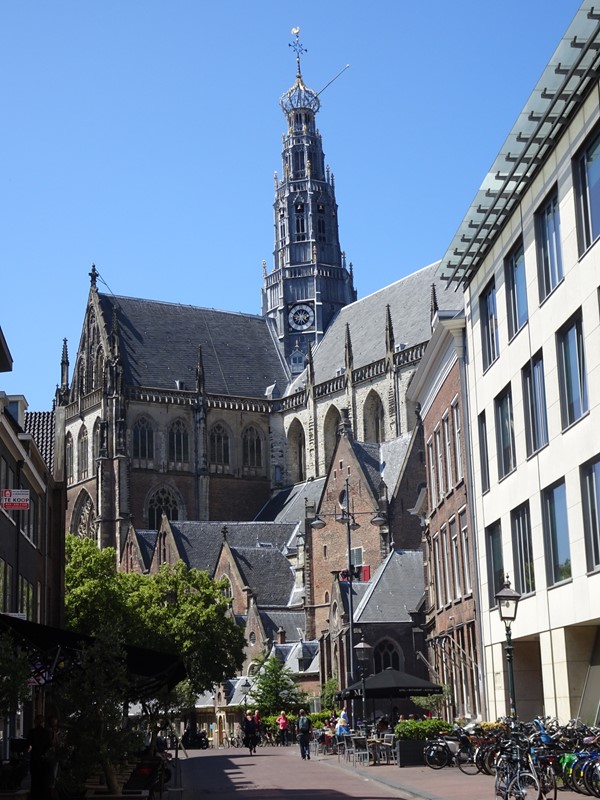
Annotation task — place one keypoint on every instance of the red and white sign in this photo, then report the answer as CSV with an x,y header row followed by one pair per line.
x,y
14,499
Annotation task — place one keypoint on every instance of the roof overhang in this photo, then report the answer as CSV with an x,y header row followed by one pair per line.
x,y
564,85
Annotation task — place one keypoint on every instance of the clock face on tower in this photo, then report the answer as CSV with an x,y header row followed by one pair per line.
x,y
301,317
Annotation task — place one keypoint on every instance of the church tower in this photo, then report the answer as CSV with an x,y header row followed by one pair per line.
x,y
309,282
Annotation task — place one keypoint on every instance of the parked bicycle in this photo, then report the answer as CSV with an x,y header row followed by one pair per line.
x,y
451,749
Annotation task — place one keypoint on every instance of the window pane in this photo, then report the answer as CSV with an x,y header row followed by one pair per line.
x,y
523,549
489,326
483,454
557,534
573,381
516,294
591,512
495,562
550,271
505,434
534,391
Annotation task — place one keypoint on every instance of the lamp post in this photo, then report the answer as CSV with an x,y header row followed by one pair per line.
x,y
508,601
244,689
348,518
363,656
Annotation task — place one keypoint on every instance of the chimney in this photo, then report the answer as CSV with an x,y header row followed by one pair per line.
x,y
280,635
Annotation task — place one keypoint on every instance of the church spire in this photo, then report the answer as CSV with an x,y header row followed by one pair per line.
x,y
309,283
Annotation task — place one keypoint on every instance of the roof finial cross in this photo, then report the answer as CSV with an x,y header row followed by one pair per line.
x,y
297,46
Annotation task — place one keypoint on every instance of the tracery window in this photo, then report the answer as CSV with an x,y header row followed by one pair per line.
x,y
252,448
163,501
179,447
82,454
84,518
219,445
96,441
143,440
386,655
69,457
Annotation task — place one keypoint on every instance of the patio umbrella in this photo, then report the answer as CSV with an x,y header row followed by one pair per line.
x,y
391,683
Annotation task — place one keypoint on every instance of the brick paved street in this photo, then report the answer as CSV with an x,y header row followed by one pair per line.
x,y
275,773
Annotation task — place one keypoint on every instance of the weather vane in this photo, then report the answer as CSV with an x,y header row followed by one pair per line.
x,y
297,45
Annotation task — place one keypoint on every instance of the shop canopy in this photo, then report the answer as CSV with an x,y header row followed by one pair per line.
x,y
149,670
391,683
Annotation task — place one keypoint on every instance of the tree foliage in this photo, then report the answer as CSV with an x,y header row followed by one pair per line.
x,y
15,669
328,692
176,610
276,689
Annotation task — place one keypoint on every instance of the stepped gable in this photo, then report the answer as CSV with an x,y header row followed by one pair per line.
x,y
199,543
146,542
409,300
159,345
395,589
40,425
267,572
288,505
293,624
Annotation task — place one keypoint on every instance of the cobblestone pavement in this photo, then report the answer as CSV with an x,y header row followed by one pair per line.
x,y
279,772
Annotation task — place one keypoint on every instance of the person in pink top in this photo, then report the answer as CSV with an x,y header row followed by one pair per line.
x,y
283,723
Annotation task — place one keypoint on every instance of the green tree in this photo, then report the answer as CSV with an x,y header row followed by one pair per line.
x,y
176,610
328,691
276,689
15,670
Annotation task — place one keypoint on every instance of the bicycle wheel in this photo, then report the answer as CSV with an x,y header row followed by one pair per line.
x,y
436,756
525,786
467,763
547,781
592,778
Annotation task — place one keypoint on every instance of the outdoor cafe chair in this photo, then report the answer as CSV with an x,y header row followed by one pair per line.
x,y
361,750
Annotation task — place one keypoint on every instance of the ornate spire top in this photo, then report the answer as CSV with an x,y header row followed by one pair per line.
x,y
299,96
93,275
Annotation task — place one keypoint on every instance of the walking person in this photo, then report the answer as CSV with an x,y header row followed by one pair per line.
x,y
250,732
283,723
39,742
304,726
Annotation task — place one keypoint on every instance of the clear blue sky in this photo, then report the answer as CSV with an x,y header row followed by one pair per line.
x,y
143,136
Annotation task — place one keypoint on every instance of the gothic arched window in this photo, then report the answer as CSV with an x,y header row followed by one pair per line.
x,y
99,369
83,523
179,446
226,587
219,446
373,419
143,440
82,454
296,452
69,457
386,655
330,433
163,501
252,448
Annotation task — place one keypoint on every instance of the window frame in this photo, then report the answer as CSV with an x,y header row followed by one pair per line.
x,y
484,454
517,311
590,498
548,246
523,557
588,227
572,378
457,426
551,532
534,404
505,427
495,560
463,524
488,307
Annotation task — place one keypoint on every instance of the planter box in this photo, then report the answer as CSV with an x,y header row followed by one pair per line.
x,y
410,752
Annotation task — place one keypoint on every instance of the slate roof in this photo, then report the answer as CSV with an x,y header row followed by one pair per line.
x,y
410,306
146,542
40,425
291,621
292,654
288,504
199,543
267,572
395,589
159,345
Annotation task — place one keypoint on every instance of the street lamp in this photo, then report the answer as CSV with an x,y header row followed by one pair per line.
x,y
348,518
244,689
508,600
363,656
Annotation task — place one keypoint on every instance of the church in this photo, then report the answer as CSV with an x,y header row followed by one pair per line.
x,y
181,422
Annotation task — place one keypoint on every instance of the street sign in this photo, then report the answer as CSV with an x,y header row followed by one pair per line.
x,y
14,499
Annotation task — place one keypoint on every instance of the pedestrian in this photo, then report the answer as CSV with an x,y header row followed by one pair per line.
x,y
250,733
283,723
342,726
39,743
304,726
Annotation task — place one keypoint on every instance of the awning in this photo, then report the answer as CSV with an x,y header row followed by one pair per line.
x,y
391,683
149,670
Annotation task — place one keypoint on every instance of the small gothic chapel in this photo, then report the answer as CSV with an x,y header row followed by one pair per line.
x,y
177,414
